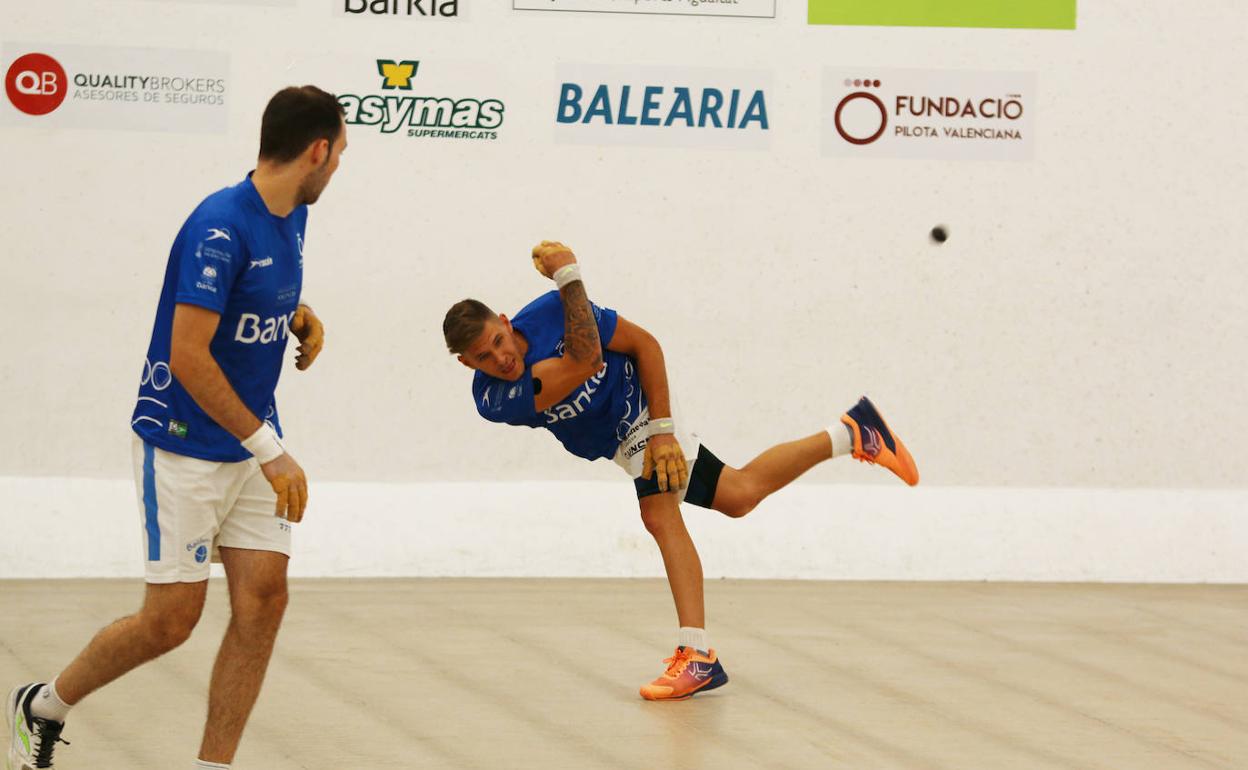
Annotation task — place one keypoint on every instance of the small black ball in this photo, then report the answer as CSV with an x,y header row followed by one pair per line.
x,y
940,234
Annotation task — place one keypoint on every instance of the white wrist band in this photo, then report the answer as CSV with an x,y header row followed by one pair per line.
x,y
264,444
661,425
567,274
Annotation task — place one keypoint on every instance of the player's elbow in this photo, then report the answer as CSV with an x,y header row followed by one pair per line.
x,y
183,359
177,360
648,346
595,366
589,366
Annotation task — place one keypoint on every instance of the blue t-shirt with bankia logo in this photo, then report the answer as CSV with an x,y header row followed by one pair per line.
x,y
593,420
234,257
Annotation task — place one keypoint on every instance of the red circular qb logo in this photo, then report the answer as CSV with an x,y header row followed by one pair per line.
x,y
36,84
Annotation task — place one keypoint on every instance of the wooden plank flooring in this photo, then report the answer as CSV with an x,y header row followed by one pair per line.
x,y
513,674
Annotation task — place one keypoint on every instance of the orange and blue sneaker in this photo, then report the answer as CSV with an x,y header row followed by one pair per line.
x,y
874,443
688,672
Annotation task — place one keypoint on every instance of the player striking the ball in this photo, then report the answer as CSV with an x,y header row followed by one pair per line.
x,y
599,383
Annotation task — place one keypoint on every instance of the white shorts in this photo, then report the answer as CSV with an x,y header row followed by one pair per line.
x,y
631,455
189,508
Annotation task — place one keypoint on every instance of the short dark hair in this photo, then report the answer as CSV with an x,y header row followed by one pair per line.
x,y
295,118
464,322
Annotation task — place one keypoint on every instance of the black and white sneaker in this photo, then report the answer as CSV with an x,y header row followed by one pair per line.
x,y
33,738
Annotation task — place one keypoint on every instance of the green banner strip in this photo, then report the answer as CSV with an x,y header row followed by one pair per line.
x,y
1025,14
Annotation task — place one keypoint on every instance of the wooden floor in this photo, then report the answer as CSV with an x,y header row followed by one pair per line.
x,y
544,674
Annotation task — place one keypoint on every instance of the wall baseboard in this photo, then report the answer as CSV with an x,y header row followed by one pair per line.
x,y
77,528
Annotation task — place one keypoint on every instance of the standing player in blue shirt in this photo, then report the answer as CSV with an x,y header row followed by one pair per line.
x,y
599,383
214,481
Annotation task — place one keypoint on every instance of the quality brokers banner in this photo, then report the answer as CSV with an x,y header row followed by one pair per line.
x,y
56,86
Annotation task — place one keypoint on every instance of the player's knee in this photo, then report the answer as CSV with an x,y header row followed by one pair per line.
x,y
739,500
739,507
261,605
168,629
656,523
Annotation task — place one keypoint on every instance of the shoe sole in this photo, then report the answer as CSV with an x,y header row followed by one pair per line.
x,y
911,476
719,680
13,761
10,716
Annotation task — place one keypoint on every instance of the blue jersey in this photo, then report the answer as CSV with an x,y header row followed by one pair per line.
x,y
235,258
593,420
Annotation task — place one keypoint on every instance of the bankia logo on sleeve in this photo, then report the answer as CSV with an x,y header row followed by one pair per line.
x,y
402,106
140,89
871,112
762,9
663,106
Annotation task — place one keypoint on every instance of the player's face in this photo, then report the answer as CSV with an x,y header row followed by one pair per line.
x,y
317,180
496,351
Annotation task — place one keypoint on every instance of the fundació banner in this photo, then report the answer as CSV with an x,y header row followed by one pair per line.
x,y
872,112
1028,14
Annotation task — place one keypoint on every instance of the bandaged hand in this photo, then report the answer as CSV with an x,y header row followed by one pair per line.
x,y
311,333
665,457
549,256
290,485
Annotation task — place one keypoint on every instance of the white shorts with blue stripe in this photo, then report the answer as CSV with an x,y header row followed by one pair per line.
x,y
189,508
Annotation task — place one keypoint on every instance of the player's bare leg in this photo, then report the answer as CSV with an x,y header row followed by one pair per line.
x,y
258,597
661,515
37,711
861,432
169,614
689,670
741,490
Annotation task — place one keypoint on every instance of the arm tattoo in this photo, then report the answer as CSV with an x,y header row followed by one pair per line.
x,y
580,330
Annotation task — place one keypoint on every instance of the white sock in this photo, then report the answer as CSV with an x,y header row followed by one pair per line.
x,y
203,764
842,439
48,704
695,638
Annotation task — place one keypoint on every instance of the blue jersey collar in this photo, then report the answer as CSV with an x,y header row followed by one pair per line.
x,y
253,197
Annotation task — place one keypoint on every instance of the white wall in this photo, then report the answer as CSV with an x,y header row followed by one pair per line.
x,y
1074,351
91,527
